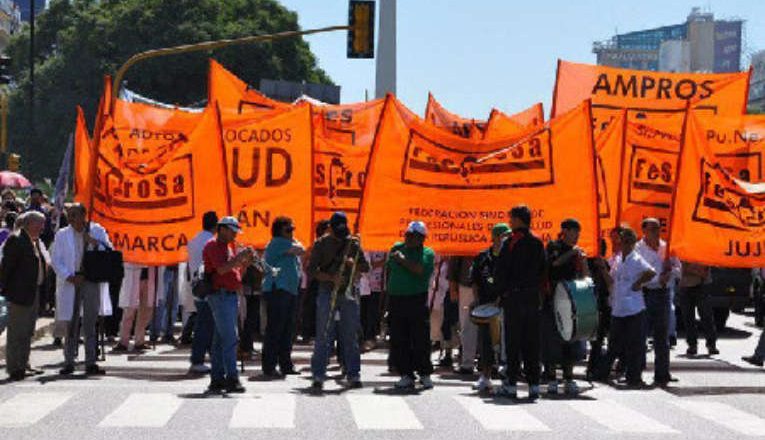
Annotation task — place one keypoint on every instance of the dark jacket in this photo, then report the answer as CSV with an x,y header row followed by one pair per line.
x,y
520,269
18,271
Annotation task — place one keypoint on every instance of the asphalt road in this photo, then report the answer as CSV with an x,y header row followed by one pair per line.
x,y
151,395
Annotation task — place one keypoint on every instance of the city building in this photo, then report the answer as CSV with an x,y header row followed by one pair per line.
x,y
10,17
757,84
700,44
24,7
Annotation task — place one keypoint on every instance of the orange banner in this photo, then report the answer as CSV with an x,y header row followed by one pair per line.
x,y
460,187
610,87
503,125
269,171
718,218
467,128
609,159
157,172
82,156
234,96
343,137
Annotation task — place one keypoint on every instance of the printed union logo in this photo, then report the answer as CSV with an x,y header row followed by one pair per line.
x,y
144,151
724,203
652,176
166,196
527,163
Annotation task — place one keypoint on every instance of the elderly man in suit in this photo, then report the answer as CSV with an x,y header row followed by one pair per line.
x,y
22,273
77,297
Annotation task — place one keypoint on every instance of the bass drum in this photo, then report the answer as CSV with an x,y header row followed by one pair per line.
x,y
576,310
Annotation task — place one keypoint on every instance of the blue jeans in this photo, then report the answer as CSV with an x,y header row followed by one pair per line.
x,y
203,332
349,327
160,324
280,328
657,308
223,305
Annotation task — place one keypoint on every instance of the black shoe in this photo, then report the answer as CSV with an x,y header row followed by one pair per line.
x,y
445,361
234,387
57,342
691,351
168,340
754,360
672,341
317,386
637,385
713,350
67,370
465,371
140,348
271,373
94,370
119,348
33,371
16,376
186,340
355,384
216,387
291,371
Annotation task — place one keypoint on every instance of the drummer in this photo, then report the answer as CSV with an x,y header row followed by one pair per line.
x,y
484,292
566,262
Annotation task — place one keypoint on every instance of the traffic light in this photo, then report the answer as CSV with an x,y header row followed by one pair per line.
x,y
361,32
14,162
5,72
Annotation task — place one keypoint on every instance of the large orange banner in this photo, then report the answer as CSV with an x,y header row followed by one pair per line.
x,y
503,125
461,187
467,128
82,156
269,167
343,137
156,172
609,160
718,215
234,96
614,88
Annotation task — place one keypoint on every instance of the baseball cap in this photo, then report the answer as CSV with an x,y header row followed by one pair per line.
x,y
231,223
417,227
499,229
337,218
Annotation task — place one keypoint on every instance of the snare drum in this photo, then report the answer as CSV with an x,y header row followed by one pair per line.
x,y
488,314
576,310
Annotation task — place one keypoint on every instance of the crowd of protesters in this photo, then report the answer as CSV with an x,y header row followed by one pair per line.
x,y
345,301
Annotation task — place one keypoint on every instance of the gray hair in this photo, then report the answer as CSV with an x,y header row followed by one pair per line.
x,y
28,217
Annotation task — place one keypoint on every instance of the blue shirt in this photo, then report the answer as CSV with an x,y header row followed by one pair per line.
x,y
288,278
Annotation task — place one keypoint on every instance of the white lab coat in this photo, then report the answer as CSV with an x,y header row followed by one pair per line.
x,y
130,293
64,264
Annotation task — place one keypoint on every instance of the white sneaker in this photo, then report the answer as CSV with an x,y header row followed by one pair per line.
x,y
405,382
426,382
483,384
199,369
552,387
572,388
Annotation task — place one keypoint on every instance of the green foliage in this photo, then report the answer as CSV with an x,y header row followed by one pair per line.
x,y
79,41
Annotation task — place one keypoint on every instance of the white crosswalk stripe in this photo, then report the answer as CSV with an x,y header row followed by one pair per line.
x,y
382,413
725,415
619,418
143,411
26,409
265,411
495,417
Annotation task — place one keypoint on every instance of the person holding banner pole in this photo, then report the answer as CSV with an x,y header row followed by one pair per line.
x,y
657,295
520,277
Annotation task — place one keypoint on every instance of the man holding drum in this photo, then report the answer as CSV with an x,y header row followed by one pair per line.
x,y
519,274
566,262
482,276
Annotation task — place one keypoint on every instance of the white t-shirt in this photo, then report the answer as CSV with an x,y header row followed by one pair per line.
x,y
627,302
655,258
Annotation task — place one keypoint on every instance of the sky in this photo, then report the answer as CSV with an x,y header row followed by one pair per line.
x,y
478,54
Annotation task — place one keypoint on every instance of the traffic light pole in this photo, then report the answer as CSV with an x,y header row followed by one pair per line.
x,y
209,45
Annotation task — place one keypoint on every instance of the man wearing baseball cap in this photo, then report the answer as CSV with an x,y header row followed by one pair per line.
x,y
409,266
224,270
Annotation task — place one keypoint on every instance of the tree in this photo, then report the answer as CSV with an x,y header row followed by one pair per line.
x,y
79,41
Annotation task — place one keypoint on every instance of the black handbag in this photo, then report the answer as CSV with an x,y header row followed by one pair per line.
x,y
201,286
102,265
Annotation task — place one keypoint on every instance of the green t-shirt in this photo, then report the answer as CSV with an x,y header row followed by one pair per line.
x,y
403,282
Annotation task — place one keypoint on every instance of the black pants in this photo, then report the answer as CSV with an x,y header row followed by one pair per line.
x,y
308,311
522,341
251,325
485,348
280,328
370,316
451,318
410,334
657,315
597,355
627,339
690,299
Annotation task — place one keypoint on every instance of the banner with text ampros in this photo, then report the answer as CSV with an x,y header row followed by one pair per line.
x,y
342,137
234,96
614,88
460,188
718,218
503,125
269,167
467,128
157,172
83,146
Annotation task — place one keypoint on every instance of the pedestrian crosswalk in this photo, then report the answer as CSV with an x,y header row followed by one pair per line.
x,y
382,412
